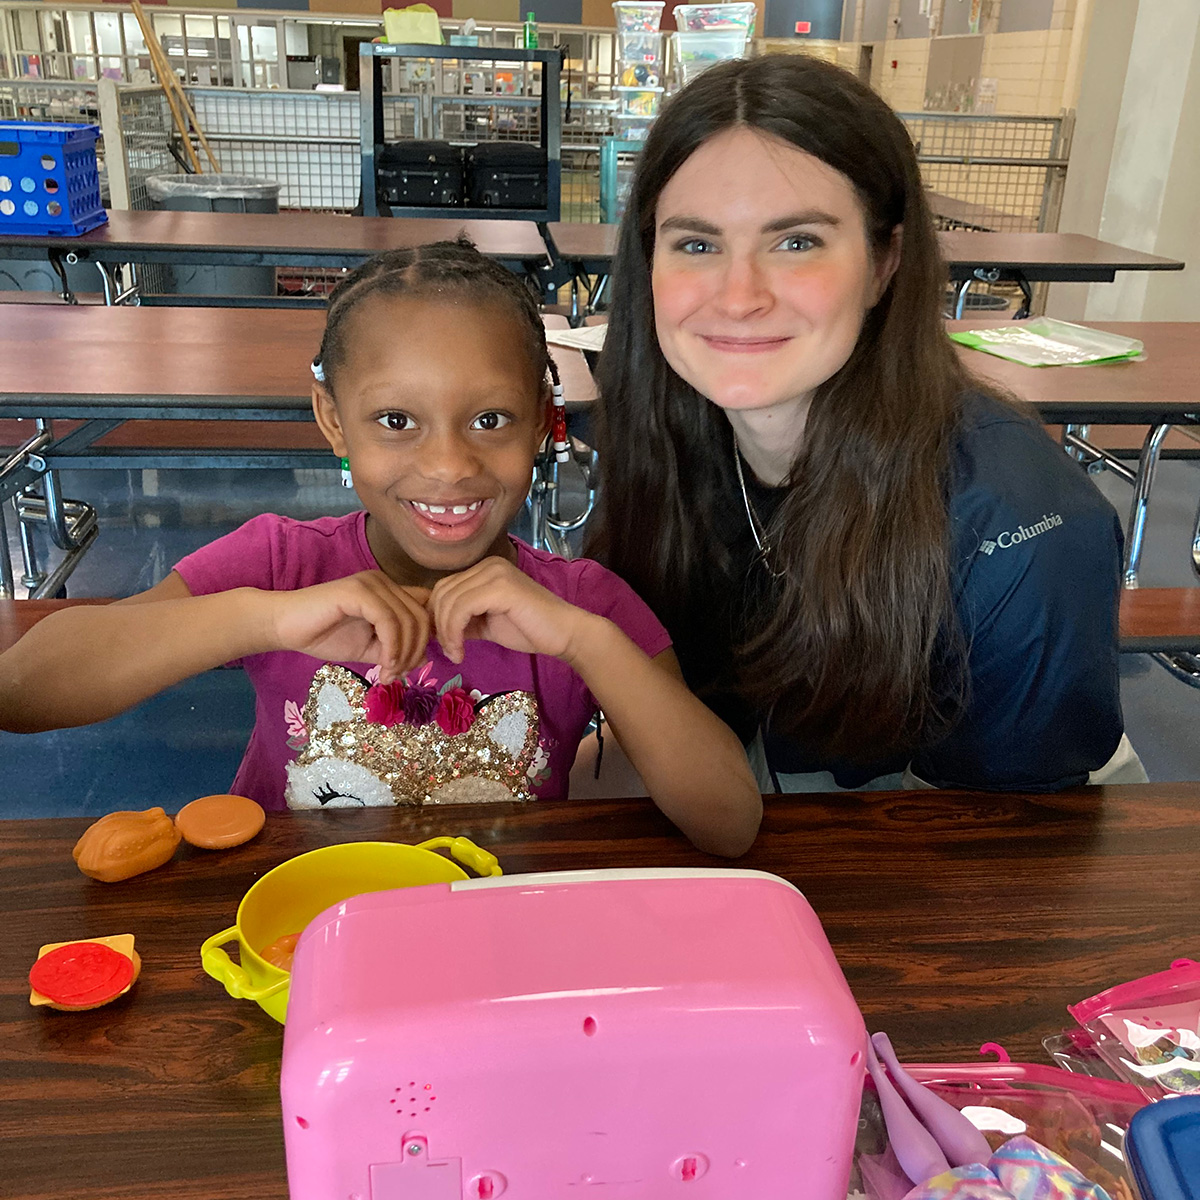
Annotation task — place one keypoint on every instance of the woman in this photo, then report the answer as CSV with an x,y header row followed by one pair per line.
x,y
863,554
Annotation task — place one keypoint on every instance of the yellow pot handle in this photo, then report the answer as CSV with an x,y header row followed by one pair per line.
x,y
224,970
466,852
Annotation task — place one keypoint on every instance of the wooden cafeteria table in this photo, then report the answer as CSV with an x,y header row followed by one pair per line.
x,y
1160,391
105,366
1023,258
288,239
959,918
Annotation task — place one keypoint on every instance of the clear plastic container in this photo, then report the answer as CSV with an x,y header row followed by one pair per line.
x,y
641,74
638,102
631,127
697,17
639,16
639,47
709,47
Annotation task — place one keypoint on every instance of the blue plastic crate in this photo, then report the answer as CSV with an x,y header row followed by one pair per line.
x,y
48,178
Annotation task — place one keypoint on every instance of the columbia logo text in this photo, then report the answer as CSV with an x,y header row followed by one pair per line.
x,y
1022,533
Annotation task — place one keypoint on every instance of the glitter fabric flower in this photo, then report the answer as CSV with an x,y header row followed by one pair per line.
x,y
385,703
455,713
420,703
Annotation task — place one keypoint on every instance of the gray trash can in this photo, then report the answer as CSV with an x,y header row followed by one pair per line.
x,y
216,193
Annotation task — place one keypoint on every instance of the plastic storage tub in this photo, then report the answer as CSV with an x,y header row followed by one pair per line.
x,y
640,47
629,127
638,102
49,182
697,17
642,16
709,47
1163,1149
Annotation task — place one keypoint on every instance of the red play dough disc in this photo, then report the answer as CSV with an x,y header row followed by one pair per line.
x,y
83,973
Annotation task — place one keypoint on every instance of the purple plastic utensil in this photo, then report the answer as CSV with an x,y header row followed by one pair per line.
x,y
958,1139
914,1146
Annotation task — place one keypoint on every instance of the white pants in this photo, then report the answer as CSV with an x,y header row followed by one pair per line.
x,y
1123,767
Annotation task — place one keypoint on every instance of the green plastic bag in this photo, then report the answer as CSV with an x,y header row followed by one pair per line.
x,y
1045,342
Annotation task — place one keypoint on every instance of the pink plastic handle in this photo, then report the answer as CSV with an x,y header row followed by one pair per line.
x,y
996,1049
1182,973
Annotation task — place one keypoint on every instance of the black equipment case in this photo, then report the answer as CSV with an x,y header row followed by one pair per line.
x,y
506,175
421,174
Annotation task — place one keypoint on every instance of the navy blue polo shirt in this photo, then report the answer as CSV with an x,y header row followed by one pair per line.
x,y
1036,582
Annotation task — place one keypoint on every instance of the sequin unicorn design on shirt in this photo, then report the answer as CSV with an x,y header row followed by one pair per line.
x,y
409,742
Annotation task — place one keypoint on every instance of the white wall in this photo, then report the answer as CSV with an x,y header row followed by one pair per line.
x,y
1135,162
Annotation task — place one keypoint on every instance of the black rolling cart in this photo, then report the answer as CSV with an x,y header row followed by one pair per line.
x,y
494,179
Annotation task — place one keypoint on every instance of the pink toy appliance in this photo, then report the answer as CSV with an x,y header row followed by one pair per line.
x,y
638,1034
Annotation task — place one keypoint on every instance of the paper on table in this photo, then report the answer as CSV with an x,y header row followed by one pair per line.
x,y
587,337
1045,342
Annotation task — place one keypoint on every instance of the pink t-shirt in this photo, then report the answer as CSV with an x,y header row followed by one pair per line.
x,y
312,746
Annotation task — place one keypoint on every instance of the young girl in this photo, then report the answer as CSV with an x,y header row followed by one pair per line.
x,y
414,652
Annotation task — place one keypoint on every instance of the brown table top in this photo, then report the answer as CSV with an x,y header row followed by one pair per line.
x,y
1030,253
977,216
1164,386
288,238
958,918
82,361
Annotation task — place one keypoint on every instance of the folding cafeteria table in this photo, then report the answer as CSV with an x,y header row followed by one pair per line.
x,y
105,366
328,241
587,251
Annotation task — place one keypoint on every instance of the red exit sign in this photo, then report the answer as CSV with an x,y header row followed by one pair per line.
x,y
804,27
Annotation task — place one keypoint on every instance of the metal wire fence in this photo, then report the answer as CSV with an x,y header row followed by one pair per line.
x,y
992,173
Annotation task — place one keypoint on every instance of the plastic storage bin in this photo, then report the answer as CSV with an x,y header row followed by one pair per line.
x,y
640,47
638,102
695,52
629,127
221,194
696,17
642,16
1163,1149
49,182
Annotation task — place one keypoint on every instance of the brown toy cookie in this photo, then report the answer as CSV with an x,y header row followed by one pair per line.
x,y
218,822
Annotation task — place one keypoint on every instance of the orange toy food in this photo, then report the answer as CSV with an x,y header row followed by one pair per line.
x,y
76,976
281,951
126,843
218,822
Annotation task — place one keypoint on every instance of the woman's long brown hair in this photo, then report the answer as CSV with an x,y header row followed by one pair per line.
x,y
854,653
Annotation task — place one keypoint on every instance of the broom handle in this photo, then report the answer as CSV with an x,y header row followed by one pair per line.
x,y
165,72
191,114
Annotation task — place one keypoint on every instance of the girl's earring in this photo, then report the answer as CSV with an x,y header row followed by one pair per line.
x,y
347,482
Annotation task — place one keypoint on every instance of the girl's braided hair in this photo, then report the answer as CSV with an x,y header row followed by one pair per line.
x,y
452,269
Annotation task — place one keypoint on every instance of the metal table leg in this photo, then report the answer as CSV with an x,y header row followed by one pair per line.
x,y
1143,482
7,584
61,271
115,292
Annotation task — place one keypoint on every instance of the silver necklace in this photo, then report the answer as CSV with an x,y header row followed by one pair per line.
x,y
764,549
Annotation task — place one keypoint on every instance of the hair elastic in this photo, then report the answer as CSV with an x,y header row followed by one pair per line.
x,y
559,428
318,371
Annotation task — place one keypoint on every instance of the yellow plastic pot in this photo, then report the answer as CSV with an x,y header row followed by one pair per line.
x,y
285,899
